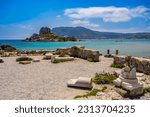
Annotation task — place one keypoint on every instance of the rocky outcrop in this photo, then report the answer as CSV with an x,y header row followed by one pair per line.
x,y
80,52
45,35
142,64
7,48
45,30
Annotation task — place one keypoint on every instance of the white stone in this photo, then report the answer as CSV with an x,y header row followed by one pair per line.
x,y
117,82
36,60
48,54
100,94
23,56
128,81
131,87
132,74
127,69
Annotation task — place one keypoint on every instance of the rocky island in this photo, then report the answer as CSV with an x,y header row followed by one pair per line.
x,y
45,35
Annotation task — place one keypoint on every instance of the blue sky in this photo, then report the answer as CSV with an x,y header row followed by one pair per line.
x,y
20,18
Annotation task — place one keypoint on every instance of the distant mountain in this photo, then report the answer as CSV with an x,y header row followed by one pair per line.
x,y
84,33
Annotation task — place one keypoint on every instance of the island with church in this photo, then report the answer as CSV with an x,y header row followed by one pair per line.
x,y
45,35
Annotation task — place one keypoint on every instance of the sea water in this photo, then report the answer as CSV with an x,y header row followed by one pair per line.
x,y
133,47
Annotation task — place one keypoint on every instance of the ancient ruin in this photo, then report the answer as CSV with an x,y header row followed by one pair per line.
x,y
128,79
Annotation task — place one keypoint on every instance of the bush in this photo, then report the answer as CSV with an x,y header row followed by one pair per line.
x,y
90,59
146,90
104,78
58,61
62,55
93,92
117,66
24,59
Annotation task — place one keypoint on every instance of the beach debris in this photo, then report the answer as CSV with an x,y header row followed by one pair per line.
x,y
128,79
81,82
36,60
24,62
1,60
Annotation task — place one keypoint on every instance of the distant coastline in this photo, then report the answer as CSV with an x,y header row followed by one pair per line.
x,y
85,33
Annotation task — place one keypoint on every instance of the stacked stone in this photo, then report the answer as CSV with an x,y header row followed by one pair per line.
x,y
128,80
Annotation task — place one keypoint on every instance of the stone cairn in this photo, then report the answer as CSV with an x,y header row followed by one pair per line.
x,y
128,79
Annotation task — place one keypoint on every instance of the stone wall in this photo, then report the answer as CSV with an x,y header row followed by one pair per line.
x,y
80,52
63,51
142,64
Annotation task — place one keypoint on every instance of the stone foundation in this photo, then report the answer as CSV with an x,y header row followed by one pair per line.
x,y
80,52
142,64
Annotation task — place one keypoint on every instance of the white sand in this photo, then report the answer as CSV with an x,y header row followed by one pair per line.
x,y
45,80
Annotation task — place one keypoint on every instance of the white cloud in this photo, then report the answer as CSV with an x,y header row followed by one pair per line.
x,y
108,14
84,23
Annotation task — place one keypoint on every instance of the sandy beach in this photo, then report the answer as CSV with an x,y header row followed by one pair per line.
x,y
45,80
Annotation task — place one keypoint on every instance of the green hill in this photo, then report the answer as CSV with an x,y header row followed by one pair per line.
x,y
84,33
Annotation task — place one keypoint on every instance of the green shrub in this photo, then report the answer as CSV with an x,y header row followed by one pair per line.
x,y
62,55
90,59
146,90
117,66
93,92
58,61
24,59
103,78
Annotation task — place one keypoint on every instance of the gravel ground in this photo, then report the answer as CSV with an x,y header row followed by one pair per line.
x,y
45,80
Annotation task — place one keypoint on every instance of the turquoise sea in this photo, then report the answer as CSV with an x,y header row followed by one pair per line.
x,y
139,47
